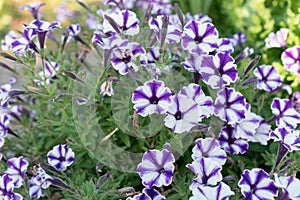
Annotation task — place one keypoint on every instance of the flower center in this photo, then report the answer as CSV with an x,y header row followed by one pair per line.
x,y
153,100
61,159
127,55
178,115
198,39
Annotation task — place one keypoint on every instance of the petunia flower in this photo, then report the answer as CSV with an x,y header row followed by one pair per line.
x,y
148,194
198,17
192,64
296,99
194,91
230,143
256,184
261,134
41,28
106,87
152,97
156,168
290,187
63,13
8,39
159,7
126,21
120,4
7,187
38,183
246,53
238,39
106,42
25,43
124,55
230,106
220,192
277,39
290,59
33,8
17,168
209,148
60,157
285,114
289,138
268,78
207,171
219,70
183,114
173,34
225,46
73,30
199,38
48,74
4,122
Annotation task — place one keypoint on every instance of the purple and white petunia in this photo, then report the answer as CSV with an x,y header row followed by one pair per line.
x,y
290,187
4,122
152,97
107,42
48,74
289,138
228,141
33,8
296,99
156,168
60,157
207,171
126,21
220,192
199,38
7,187
225,46
256,184
17,168
121,4
209,148
38,183
148,194
198,17
183,114
159,7
41,28
8,39
277,39
230,106
247,52
173,34
74,30
238,39
192,64
268,78
290,59
218,71
194,91
25,43
261,134
107,88
124,55
286,115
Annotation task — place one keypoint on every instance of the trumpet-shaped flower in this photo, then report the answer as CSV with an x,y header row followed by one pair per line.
x,y
7,187
220,192
60,157
289,187
38,183
17,168
148,194
277,39
8,39
33,8
268,78
152,97
290,59
289,138
156,168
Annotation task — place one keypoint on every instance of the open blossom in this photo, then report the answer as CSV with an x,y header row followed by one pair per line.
x,y
107,42
219,70
33,8
256,184
8,39
106,87
183,114
25,43
4,122
156,168
38,183
230,143
17,168
277,39
152,97
238,39
289,138
124,56
207,171
198,17
194,91
225,46
290,59
199,38
290,187
261,134
220,192
268,78
126,21
48,74
286,115
192,64
148,194
173,32
60,157
230,106
209,148
7,187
